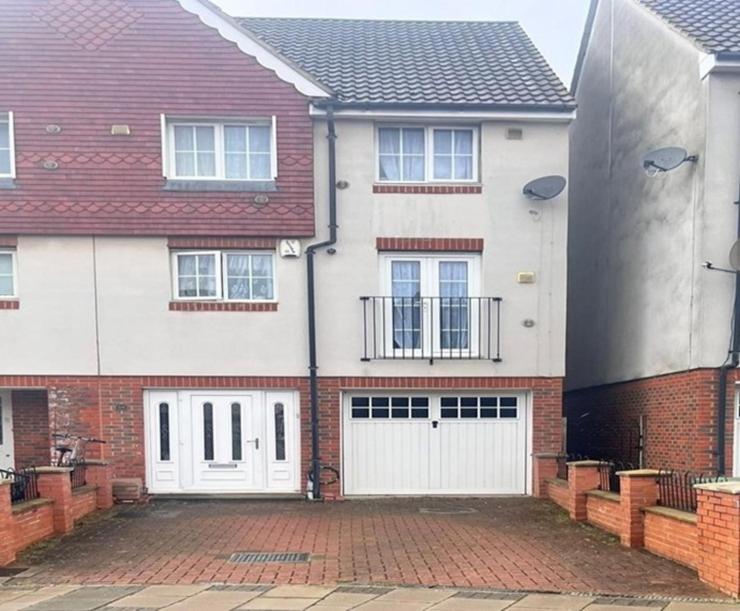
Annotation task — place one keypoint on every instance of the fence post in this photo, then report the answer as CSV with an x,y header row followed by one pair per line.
x,y
545,467
99,475
7,530
718,535
583,476
638,489
55,484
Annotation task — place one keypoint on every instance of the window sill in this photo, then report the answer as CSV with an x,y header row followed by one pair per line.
x,y
223,306
244,186
9,304
7,183
431,189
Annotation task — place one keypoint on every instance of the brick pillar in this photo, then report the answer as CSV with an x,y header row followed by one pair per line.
x,y
718,535
638,489
545,467
55,484
583,475
98,473
7,524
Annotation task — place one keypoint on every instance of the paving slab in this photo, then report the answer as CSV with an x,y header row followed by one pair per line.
x,y
553,602
472,604
31,598
280,604
298,592
83,599
214,601
157,597
347,600
416,595
618,607
695,606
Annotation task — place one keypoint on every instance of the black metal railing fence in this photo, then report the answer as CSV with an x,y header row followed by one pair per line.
x,y
78,475
23,484
676,488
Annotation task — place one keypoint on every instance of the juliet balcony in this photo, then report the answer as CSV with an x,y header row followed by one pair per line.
x,y
431,328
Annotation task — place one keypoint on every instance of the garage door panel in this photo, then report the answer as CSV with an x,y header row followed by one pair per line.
x,y
478,447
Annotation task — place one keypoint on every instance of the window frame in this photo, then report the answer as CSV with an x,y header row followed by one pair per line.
x,y
218,124
429,131
14,272
9,118
221,275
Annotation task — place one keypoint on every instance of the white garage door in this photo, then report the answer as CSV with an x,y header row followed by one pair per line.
x,y
456,444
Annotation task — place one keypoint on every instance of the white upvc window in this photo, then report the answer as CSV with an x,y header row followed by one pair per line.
x,y
427,154
220,150
7,145
8,274
224,275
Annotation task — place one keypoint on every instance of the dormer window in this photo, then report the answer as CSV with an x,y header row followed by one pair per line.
x,y
222,151
7,153
427,154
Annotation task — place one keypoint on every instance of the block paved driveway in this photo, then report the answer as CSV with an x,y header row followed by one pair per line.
x,y
516,543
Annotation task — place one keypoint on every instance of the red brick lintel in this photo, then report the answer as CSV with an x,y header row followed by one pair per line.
x,y
222,306
431,244
221,242
8,241
429,189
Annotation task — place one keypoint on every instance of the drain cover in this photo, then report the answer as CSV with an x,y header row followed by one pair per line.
x,y
448,511
260,557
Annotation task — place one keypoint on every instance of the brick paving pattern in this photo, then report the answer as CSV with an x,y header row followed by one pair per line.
x,y
521,544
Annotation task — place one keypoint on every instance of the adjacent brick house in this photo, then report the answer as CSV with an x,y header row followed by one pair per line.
x,y
649,326
166,169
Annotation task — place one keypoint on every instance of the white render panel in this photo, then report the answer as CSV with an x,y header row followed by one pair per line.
x,y
519,235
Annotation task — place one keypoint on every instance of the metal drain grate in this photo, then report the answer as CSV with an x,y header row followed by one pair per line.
x,y
260,557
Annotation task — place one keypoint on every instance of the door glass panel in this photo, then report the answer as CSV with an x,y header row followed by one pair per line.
x,y
164,431
1,421
279,431
454,318
406,293
236,431
208,431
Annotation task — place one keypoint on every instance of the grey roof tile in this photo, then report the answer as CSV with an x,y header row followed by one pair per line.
x,y
712,24
418,62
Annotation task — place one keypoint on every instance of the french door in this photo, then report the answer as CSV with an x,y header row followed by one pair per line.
x,y
7,458
429,309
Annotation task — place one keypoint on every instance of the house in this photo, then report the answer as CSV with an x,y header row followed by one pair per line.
x,y
653,330
243,251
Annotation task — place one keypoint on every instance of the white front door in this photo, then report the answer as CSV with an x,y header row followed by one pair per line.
x,y
7,457
222,442
420,443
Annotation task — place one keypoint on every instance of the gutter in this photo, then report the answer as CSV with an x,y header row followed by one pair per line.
x,y
313,367
732,362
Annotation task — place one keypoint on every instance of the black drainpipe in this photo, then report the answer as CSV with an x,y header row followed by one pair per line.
x,y
313,366
733,360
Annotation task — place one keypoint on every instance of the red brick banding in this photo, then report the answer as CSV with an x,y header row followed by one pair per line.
x,y
169,62
429,189
221,306
430,244
8,241
9,304
185,243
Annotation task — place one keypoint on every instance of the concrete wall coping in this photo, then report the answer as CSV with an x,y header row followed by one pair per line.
x,y
546,455
731,487
94,462
585,463
45,470
639,473
603,494
4,481
675,514
558,482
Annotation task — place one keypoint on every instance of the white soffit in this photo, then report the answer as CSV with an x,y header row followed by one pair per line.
x,y
462,115
248,45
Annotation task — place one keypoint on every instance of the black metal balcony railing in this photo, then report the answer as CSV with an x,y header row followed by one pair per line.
x,y
432,328
23,484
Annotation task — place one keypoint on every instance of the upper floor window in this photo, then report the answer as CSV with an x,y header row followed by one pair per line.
x,y
233,150
427,154
227,275
7,274
7,154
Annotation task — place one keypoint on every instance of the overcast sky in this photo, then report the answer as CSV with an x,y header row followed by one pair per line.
x,y
554,25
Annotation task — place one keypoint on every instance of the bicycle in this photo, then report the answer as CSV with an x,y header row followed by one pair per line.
x,y
72,452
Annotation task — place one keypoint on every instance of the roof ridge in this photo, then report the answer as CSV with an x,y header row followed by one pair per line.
x,y
371,20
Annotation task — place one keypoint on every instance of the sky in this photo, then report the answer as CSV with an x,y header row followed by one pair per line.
x,y
555,26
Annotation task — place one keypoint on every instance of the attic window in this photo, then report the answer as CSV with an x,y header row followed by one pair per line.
x,y
7,153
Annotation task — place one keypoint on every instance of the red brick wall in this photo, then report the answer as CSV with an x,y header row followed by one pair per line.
x,y
68,69
671,538
604,513
84,501
31,428
680,418
32,524
557,491
112,408
718,533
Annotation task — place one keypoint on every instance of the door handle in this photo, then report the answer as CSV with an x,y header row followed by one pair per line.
x,y
435,424
256,442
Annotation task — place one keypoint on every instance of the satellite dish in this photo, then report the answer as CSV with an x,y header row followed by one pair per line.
x,y
665,160
546,187
735,256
